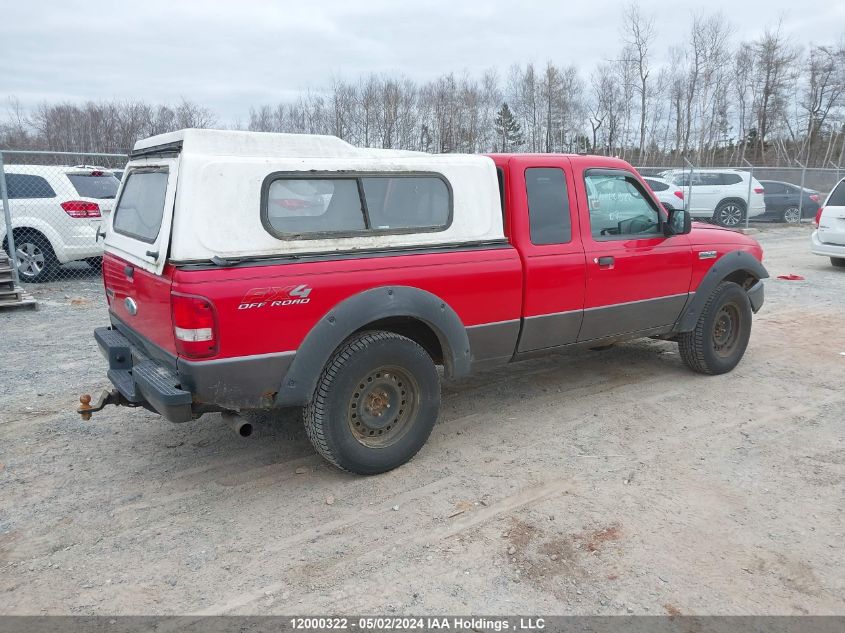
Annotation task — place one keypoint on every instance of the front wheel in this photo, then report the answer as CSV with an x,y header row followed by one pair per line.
x,y
729,214
375,405
720,337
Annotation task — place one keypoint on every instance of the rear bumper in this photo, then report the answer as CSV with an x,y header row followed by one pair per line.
x,y
826,250
141,380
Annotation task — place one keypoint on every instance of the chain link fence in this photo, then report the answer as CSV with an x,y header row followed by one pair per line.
x,y
790,194
54,202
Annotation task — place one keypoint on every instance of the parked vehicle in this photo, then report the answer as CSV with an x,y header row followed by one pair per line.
x,y
828,239
56,213
225,296
670,196
719,194
785,202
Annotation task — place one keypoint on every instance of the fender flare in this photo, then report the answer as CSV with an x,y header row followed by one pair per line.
x,y
357,311
729,263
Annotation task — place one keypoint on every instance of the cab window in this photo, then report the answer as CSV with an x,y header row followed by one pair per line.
x,y
619,206
548,206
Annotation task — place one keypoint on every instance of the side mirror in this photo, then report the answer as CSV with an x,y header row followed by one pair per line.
x,y
679,222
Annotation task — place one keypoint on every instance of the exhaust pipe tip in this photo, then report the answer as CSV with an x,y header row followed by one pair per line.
x,y
240,426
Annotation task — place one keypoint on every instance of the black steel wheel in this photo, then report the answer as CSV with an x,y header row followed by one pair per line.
x,y
720,337
375,404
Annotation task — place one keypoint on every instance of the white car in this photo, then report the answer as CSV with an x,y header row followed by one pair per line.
x,y
670,196
719,194
56,213
828,239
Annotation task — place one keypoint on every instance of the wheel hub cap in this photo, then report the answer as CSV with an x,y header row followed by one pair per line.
x,y
30,259
726,329
382,407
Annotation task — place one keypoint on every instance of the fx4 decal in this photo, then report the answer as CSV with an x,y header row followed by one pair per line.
x,y
275,297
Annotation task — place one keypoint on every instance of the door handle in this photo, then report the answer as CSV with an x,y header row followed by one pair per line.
x,y
606,260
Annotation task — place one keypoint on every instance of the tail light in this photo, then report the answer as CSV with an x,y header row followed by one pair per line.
x,y
81,209
758,190
194,325
814,197
679,193
818,217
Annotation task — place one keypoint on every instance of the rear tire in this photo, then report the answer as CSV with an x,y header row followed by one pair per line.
x,y
375,404
839,262
729,214
720,337
791,215
36,260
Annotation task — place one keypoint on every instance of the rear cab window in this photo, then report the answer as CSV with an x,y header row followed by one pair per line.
x,y
297,206
549,220
140,209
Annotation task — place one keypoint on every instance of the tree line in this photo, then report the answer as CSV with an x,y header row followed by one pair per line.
x,y
769,101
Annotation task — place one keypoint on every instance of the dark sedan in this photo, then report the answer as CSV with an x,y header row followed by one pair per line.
x,y
783,200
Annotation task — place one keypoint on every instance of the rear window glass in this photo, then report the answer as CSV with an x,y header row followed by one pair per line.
x,y
837,196
656,185
406,203
309,207
28,186
141,206
731,179
89,186
548,206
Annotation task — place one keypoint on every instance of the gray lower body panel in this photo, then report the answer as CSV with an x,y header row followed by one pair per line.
x,y
492,343
249,382
550,330
631,317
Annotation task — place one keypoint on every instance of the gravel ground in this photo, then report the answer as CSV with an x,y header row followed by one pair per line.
x,y
596,483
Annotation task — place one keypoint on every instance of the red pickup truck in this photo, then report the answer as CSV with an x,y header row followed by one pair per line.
x,y
250,271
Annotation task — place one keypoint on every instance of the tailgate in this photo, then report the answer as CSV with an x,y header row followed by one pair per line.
x,y
140,301
832,226
135,274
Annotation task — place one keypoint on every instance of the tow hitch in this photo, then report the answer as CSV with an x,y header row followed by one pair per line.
x,y
106,397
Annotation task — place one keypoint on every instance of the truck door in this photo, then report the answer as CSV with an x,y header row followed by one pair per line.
x,y
543,224
637,279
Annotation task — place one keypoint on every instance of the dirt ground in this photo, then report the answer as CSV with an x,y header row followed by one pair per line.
x,y
597,483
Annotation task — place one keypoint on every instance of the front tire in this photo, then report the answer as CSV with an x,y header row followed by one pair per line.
x,y
375,404
729,214
839,262
720,337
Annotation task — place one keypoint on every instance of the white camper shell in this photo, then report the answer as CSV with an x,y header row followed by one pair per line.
x,y
230,195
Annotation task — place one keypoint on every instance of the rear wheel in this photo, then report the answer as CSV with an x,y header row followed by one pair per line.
x,y
729,214
839,262
791,215
375,405
36,260
720,337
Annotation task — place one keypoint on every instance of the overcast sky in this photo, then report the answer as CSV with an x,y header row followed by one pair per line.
x,y
230,55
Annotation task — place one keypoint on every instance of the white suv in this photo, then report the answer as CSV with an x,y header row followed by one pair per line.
x,y
719,194
56,214
828,239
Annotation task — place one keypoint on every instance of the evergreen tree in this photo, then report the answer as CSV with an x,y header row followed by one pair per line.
x,y
508,130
